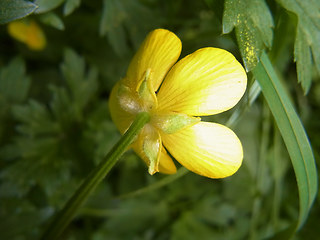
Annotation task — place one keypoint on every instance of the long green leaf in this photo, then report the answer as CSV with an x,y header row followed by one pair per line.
x,y
293,134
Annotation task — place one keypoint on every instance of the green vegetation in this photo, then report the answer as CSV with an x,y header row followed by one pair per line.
x,y
55,125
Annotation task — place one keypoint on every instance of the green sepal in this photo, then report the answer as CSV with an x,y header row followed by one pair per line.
x,y
152,148
173,122
128,100
147,95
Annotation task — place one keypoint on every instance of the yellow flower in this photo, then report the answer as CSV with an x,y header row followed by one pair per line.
x,y
206,82
28,32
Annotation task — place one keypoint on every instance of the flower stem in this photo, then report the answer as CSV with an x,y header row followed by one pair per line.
x,y
65,216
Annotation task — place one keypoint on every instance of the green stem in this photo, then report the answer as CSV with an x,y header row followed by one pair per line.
x,y
260,177
65,216
163,182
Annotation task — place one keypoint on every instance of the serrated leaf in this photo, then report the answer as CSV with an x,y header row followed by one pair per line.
x,y
81,84
53,20
149,214
253,25
188,227
20,222
47,5
61,107
139,22
68,103
36,118
113,15
11,10
40,162
38,150
155,186
14,84
303,59
14,88
70,6
111,24
123,17
307,38
73,68
293,134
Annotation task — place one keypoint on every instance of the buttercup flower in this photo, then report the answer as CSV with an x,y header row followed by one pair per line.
x,y
206,82
28,32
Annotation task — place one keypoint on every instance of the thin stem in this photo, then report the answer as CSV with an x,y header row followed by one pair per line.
x,y
66,215
278,171
260,175
254,92
163,182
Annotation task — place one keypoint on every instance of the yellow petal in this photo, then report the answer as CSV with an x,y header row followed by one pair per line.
x,y
205,82
208,149
18,30
159,51
29,33
166,164
36,38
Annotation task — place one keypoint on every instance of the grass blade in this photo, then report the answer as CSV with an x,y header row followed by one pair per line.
x,y
293,134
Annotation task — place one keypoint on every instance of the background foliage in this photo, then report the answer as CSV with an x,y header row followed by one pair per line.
x,y
55,124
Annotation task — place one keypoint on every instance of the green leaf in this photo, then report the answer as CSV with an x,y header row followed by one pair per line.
x,y
68,104
14,84
155,186
131,216
20,222
111,24
39,151
53,20
293,134
189,227
121,18
253,26
65,216
286,233
47,5
70,6
73,69
14,9
36,119
62,108
82,85
14,88
307,43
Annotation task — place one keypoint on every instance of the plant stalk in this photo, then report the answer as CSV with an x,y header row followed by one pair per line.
x,y
65,216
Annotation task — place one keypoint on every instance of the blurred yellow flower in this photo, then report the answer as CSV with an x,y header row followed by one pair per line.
x,y
28,32
206,82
